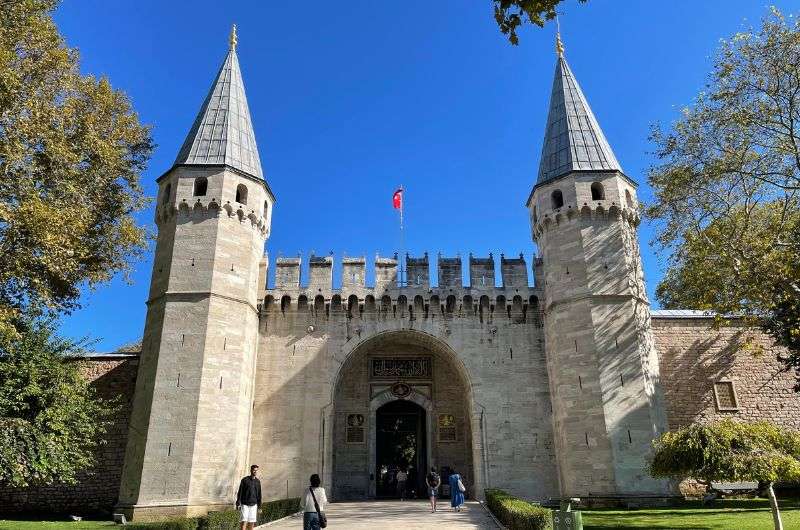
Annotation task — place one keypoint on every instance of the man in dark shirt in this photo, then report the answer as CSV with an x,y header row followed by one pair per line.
x,y
248,499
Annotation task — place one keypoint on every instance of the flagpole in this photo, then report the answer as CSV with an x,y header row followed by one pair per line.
x,y
402,238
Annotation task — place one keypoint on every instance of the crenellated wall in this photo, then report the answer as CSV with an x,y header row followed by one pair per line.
x,y
489,372
416,274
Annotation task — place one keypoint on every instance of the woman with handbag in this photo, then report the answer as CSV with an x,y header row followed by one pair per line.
x,y
457,490
313,505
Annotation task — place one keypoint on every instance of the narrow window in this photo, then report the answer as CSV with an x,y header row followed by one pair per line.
x,y
598,193
241,194
628,199
266,209
725,394
558,199
534,214
200,187
167,193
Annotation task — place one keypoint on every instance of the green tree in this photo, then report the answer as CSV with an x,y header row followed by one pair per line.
x,y
71,154
726,186
51,419
511,14
730,451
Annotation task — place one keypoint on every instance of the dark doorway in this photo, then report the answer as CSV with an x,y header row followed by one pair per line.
x,y
400,445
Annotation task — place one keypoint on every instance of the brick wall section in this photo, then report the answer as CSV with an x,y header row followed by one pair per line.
x,y
693,356
97,490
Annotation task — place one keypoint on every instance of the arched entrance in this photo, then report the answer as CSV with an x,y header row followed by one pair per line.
x,y
401,449
400,399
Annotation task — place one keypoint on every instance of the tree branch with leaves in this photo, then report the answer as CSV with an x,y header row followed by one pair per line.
x,y
727,188
511,14
730,451
72,151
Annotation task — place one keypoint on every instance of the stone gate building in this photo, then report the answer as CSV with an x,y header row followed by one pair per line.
x,y
548,388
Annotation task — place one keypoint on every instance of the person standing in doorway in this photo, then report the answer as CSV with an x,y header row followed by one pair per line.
x,y
433,481
457,491
313,505
402,478
248,499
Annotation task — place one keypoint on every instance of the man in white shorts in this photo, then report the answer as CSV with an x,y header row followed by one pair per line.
x,y
248,499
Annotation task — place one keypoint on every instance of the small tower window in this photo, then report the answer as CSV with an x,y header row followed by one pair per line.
x,y
535,219
557,198
200,187
241,194
598,193
628,199
167,193
266,209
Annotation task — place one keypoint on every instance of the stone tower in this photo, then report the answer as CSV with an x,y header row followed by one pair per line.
x,y
190,424
602,364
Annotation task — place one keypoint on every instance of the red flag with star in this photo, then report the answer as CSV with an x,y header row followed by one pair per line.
x,y
397,199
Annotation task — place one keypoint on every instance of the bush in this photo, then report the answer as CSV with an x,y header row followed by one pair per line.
x,y
517,514
227,520
170,524
273,510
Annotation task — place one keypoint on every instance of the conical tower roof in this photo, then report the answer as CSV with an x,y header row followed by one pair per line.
x,y
573,140
222,133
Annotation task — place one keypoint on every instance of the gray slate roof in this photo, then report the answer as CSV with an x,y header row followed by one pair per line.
x,y
573,140
223,132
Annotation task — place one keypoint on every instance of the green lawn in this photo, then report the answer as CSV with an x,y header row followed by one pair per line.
x,y
749,514
52,524
745,514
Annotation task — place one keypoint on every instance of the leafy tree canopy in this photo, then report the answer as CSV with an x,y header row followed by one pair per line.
x,y
51,419
71,154
511,14
726,188
730,451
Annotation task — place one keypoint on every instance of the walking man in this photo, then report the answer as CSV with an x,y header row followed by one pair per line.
x,y
433,480
248,499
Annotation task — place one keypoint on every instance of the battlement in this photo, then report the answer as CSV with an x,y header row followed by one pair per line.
x,y
204,209
388,276
587,213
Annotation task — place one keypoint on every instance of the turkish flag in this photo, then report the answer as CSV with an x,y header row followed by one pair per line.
x,y
397,199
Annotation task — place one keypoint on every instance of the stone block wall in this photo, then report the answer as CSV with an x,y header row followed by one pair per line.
x,y
492,335
112,376
693,356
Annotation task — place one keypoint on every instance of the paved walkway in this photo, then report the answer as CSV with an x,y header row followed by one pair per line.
x,y
406,515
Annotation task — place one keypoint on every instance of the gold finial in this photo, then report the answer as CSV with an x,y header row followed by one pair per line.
x,y
233,40
559,44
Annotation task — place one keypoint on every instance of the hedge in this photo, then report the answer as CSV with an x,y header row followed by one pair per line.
x,y
517,514
225,520
273,510
170,524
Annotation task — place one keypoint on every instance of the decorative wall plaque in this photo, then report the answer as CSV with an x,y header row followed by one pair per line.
x,y
401,390
447,428
354,433
401,368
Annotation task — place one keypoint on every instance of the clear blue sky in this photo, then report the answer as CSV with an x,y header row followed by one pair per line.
x,y
351,98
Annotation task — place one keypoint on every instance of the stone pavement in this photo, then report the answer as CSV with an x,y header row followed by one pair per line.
x,y
407,515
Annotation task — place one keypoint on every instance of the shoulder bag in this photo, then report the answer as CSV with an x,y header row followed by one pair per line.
x,y
461,487
323,521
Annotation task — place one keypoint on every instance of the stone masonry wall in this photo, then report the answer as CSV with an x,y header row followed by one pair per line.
x,y
693,356
491,335
97,489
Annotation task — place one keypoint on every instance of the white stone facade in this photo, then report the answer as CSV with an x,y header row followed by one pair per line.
x,y
546,389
